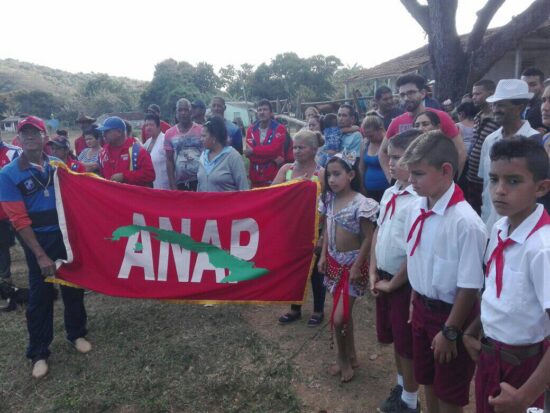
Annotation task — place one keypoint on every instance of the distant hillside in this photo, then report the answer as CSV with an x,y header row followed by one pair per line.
x,y
93,93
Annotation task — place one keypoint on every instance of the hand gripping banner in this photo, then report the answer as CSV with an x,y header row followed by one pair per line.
x,y
230,247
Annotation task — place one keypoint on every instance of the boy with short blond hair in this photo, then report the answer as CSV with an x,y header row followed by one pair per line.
x,y
515,305
445,244
388,277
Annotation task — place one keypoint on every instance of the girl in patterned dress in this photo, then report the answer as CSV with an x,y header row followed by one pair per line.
x,y
350,219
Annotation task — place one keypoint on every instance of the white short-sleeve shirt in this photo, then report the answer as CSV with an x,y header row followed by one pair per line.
x,y
488,213
392,235
518,316
450,252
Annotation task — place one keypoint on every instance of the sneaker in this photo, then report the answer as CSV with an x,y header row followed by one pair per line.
x,y
82,345
39,369
389,405
289,318
401,407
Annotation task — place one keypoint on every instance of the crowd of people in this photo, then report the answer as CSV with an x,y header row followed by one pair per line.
x,y
440,212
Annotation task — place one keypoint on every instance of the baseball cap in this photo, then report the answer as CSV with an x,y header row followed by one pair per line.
x,y
34,121
114,122
60,141
198,104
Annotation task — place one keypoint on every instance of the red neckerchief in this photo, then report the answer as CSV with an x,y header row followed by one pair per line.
x,y
457,197
391,204
498,253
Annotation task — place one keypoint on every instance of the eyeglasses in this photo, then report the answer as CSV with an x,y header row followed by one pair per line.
x,y
408,94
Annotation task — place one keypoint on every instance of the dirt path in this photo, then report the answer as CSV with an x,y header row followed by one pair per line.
x,y
317,389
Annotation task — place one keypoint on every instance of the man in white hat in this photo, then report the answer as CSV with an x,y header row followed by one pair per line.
x,y
509,101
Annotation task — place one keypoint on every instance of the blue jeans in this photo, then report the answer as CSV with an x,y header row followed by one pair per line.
x,y
40,308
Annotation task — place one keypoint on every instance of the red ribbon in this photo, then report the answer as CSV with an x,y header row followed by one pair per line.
x,y
498,253
341,290
391,205
457,197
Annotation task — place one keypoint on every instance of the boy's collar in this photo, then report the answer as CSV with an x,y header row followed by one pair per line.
x,y
441,204
523,230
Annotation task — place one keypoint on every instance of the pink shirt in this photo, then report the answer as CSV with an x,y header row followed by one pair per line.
x,y
405,122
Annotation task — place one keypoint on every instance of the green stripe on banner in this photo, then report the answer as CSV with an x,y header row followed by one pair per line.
x,y
239,269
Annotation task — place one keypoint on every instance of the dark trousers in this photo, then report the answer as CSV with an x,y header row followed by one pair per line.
x,y
40,308
319,291
6,241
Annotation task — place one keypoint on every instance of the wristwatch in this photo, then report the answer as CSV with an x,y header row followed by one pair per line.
x,y
450,333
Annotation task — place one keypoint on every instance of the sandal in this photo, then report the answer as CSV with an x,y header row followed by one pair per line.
x,y
289,318
315,320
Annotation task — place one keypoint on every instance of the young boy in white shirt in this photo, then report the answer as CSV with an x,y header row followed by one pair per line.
x,y
515,305
445,244
388,277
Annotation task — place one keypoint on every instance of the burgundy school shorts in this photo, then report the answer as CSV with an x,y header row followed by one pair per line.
x,y
450,381
392,313
492,370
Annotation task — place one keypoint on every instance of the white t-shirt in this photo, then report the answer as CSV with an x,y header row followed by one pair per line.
x,y
450,252
392,235
518,316
158,156
488,213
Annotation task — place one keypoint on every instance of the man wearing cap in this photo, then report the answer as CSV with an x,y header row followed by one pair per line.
x,y
7,154
61,148
198,110
183,146
84,122
27,194
122,159
509,101
235,137
164,126
17,141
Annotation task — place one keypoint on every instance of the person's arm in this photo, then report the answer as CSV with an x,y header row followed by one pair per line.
x,y
373,272
239,172
362,167
281,175
171,169
458,142
445,350
322,264
367,230
144,174
471,338
396,282
271,151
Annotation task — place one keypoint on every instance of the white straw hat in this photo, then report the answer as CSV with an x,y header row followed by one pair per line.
x,y
508,89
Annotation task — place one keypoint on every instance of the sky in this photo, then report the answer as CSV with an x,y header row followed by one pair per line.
x,y
128,38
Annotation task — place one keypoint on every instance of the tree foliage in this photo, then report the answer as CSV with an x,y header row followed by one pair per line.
x,y
37,102
458,65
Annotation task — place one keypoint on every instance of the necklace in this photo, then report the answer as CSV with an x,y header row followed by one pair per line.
x,y
45,187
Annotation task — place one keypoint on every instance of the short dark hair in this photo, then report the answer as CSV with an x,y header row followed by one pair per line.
x,y
533,71
468,108
94,131
220,99
404,139
216,127
62,132
532,151
419,81
153,117
435,148
330,120
432,116
128,127
486,84
351,109
265,102
382,90
153,107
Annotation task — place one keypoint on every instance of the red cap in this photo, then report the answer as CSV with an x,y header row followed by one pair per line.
x,y
33,121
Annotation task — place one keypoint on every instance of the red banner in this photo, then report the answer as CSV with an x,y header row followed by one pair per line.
x,y
129,241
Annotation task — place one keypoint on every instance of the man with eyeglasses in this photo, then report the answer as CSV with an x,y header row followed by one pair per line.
x,y
412,91
27,195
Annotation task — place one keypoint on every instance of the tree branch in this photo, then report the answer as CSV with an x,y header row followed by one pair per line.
x,y
419,12
484,17
508,36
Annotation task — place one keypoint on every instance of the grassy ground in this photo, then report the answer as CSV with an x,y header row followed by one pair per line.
x,y
148,357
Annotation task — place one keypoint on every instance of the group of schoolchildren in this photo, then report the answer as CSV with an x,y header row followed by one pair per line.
x,y
430,257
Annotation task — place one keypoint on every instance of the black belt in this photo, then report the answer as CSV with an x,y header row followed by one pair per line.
x,y
437,306
513,356
384,275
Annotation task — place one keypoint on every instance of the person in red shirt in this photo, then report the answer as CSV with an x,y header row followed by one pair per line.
x,y
265,141
164,126
122,159
84,122
61,148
